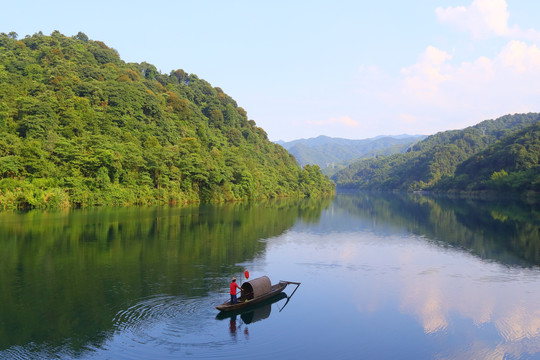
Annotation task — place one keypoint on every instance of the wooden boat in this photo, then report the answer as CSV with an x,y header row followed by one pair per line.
x,y
254,292
253,313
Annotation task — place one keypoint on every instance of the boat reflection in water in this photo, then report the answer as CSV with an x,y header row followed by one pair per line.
x,y
254,313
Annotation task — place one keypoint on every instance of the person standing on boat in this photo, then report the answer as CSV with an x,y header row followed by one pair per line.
x,y
234,286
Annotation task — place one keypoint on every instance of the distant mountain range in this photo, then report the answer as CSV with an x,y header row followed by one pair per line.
x,y
500,155
333,154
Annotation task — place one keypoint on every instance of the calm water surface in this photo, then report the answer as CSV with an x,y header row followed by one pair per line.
x,y
383,277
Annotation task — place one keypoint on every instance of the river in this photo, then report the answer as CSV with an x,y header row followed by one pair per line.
x,y
383,276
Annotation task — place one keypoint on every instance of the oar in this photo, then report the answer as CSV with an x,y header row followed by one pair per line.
x,y
297,286
289,297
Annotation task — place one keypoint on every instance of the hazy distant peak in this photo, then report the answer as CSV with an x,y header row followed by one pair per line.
x,y
329,152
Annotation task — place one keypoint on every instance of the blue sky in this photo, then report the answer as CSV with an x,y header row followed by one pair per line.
x,y
351,69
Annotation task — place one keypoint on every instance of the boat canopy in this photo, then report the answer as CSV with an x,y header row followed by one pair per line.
x,y
257,287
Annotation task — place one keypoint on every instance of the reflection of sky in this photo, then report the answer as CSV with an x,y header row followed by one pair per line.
x,y
442,288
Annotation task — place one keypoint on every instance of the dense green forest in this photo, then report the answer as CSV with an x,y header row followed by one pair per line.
x,y
510,164
80,127
507,152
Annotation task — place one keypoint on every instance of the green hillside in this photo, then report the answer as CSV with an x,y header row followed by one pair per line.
x,y
80,127
434,158
511,164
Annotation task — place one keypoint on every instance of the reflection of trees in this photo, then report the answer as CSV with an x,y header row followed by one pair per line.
x,y
64,275
310,211
505,231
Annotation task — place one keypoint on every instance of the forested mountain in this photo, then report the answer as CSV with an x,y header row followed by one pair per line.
x,y
511,164
439,155
332,154
79,126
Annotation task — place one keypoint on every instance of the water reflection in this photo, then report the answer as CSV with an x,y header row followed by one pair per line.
x,y
435,295
467,272
255,313
233,328
70,279
418,277
507,231
238,320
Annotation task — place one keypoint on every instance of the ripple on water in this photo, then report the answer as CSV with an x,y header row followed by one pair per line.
x,y
32,351
171,324
163,310
166,326
17,353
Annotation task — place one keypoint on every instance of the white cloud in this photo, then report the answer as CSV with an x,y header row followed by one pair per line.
x,y
517,62
422,79
343,120
485,18
520,58
481,18
434,92
408,119
437,92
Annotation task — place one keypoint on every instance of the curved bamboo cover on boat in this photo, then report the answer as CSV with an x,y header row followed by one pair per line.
x,y
259,286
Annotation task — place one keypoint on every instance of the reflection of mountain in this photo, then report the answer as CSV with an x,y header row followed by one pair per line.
x,y
505,231
64,276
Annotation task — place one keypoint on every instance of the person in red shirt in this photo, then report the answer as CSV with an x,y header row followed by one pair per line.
x,y
234,286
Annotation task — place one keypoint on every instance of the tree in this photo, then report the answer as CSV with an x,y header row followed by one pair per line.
x,y
81,36
9,166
